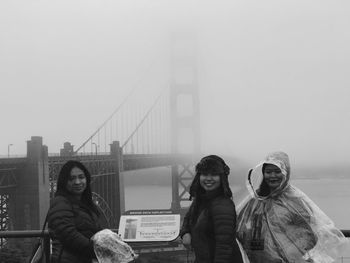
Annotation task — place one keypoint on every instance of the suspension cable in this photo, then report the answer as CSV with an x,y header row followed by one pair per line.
x,y
137,85
105,122
143,119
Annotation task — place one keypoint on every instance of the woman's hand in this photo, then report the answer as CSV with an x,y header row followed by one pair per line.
x,y
186,240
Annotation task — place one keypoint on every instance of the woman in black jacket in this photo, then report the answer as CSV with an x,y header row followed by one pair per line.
x,y
209,226
73,218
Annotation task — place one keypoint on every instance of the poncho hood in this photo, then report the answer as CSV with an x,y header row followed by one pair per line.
x,y
285,225
255,179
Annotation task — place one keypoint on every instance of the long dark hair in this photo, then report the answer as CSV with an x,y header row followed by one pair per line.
x,y
211,164
63,178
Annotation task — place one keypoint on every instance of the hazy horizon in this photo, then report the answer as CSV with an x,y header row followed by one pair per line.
x,y
272,75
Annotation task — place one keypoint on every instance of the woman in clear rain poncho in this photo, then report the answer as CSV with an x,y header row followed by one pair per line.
x,y
279,223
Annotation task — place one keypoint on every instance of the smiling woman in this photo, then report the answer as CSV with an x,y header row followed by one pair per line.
x,y
279,223
272,176
210,224
209,181
76,183
272,179
73,218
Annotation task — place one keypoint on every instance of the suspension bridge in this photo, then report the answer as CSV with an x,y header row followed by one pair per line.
x,y
160,131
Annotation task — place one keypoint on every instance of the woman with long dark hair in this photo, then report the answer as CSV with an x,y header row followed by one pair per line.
x,y
73,218
209,226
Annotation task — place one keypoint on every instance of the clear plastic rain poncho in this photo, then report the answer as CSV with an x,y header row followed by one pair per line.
x,y
285,225
109,248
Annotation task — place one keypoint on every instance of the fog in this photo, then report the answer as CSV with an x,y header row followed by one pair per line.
x,y
272,75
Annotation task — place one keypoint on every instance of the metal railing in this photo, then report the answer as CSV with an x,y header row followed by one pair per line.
x,y
45,235
31,234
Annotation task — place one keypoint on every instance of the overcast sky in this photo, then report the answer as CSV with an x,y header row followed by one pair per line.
x,y
273,75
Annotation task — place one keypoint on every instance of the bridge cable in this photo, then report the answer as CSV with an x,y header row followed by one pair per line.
x,y
117,109
143,119
105,122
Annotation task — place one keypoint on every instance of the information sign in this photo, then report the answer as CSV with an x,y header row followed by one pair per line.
x,y
149,225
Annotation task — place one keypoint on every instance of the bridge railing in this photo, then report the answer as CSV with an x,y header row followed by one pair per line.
x,y
30,234
47,246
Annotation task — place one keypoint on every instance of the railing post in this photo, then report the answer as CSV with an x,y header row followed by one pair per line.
x,y
175,201
47,249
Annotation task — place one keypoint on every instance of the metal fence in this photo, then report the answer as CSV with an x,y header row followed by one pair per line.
x,y
6,235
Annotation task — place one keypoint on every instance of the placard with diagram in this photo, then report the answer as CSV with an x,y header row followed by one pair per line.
x,y
149,225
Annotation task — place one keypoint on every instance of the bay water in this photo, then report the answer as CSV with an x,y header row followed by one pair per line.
x,y
331,195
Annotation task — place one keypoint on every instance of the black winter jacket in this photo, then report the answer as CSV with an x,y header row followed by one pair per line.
x,y
71,225
213,234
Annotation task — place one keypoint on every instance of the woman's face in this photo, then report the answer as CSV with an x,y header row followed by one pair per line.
x,y
76,183
273,176
209,182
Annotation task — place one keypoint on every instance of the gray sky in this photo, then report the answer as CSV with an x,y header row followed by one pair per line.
x,y
273,75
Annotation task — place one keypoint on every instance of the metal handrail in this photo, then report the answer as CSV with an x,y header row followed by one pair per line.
x,y
30,234
38,233
46,236
23,233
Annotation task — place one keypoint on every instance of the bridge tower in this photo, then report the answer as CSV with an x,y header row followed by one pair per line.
x,y
184,111
24,188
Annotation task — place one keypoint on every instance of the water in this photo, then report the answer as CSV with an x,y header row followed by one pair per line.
x,y
331,195
147,197
150,197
